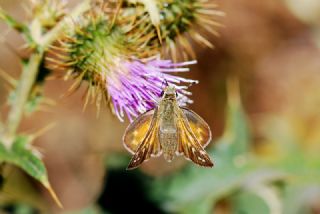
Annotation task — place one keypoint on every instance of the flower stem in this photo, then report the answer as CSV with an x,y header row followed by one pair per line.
x,y
13,23
27,79
52,35
31,69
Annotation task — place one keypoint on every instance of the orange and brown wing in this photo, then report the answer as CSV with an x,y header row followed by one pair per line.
x,y
150,145
137,130
198,126
188,144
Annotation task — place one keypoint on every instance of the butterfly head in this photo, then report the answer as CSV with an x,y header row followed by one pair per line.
x,y
169,92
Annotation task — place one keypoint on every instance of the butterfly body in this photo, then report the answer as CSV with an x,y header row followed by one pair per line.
x,y
170,130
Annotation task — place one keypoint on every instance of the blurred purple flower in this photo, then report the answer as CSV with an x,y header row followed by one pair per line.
x,y
135,86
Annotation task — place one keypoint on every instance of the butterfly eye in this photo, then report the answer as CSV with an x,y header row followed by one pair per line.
x,y
162,92
176,94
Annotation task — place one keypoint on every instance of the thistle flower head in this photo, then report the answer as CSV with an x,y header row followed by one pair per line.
x,y
135,86
116,66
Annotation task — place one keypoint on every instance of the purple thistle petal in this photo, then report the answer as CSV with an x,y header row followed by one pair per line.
x,y
135,86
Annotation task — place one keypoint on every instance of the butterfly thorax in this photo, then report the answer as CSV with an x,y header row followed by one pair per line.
x,y
168,135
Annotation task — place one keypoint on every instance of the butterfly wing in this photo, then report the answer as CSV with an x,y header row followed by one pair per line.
x,y
198,126
188,144
150,145
137,130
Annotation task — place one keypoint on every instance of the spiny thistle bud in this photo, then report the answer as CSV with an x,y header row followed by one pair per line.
x,y
100,52
179,20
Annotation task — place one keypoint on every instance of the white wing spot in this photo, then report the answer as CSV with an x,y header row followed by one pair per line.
x,y
203,152
193,149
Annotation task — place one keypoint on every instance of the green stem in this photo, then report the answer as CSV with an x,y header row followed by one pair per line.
x,y
60,27
31,68
27,79
1,128
13,23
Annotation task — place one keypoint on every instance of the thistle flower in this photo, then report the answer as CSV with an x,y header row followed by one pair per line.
x,y
132,86
135,86
116,66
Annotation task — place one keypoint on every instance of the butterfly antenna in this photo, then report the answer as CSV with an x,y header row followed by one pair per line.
x,y
193,82
164,83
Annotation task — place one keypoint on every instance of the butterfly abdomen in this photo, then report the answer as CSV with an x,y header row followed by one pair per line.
x,y
168,141
168,135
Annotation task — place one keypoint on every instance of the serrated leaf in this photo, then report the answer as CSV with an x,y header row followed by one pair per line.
x,y
19,155
22,155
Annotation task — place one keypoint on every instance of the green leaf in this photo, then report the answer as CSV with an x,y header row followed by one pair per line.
x,y
19,189
27,158
237,134
24,157
249,203
201,206
117,161
194,184
298,198
24,209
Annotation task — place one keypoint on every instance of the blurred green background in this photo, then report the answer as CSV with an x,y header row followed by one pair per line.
x,y
260,93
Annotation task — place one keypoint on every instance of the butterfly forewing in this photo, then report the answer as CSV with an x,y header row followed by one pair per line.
x,y
188,145
149,146
137,130
198,126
